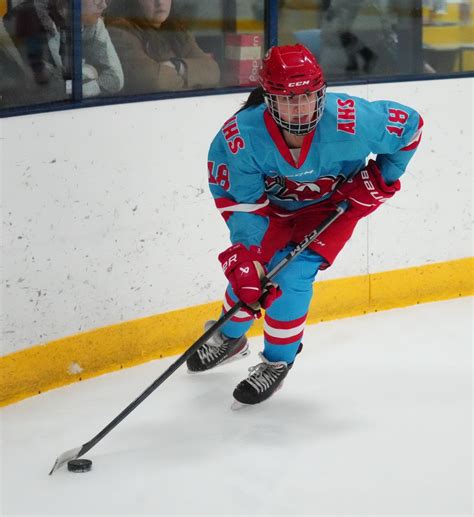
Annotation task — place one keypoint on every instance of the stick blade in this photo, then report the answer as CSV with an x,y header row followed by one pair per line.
x,y
65,457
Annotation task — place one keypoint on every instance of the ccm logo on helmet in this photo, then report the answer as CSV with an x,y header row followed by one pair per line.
x,y
298,83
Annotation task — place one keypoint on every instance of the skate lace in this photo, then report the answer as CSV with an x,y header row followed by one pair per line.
x,y
212,349
263,375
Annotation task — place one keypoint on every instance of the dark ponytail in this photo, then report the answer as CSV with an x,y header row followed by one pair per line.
x,y
254,99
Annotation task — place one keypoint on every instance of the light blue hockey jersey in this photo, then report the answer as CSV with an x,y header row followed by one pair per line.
x,y
251,167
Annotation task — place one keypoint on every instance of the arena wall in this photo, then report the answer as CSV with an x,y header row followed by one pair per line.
x,y
110,235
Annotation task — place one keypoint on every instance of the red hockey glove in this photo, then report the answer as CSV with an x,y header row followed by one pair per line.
x,y
244,270
366,191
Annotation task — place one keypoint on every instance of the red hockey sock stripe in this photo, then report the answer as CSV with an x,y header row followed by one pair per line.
x,y
241,316
272,340
279,332
279,324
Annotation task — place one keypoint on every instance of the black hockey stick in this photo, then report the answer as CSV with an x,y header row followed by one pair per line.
x,y
80,451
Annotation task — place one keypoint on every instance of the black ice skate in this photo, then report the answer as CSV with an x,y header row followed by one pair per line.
x,y
263,381
218,350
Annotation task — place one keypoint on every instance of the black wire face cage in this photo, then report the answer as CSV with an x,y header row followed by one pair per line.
x,y
303,118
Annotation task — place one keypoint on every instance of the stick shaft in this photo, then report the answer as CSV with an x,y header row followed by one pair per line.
x,y
341,208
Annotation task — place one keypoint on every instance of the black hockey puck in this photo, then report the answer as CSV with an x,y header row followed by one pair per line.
x,y
81,465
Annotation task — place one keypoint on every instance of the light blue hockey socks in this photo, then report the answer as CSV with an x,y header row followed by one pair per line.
x,y
285,319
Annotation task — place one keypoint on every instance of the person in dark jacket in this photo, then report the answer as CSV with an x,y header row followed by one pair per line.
x,y
16,79
156,52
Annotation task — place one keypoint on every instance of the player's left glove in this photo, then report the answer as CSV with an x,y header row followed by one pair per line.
x,y
366,191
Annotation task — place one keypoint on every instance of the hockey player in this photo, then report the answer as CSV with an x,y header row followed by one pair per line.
x,y
276,169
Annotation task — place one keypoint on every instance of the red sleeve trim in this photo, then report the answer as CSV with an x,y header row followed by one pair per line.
x,y
413,144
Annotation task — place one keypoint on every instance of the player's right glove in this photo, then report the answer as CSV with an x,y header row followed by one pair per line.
x,y
244,269
366,191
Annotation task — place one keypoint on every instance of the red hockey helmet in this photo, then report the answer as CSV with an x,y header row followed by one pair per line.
x,y
292,71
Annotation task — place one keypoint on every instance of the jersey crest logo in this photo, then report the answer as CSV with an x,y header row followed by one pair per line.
x,y
285,189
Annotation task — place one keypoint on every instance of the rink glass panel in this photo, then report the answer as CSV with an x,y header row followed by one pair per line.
x,y
355,40
231,34
361,39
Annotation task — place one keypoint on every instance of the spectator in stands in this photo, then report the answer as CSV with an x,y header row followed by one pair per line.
x,y
156,52
16,79
42,32
101,69
358,37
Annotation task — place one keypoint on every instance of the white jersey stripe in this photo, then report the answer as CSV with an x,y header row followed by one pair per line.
x,y
244,207
283,333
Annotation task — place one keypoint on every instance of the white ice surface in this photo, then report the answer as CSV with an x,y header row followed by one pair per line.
x,y
374,419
